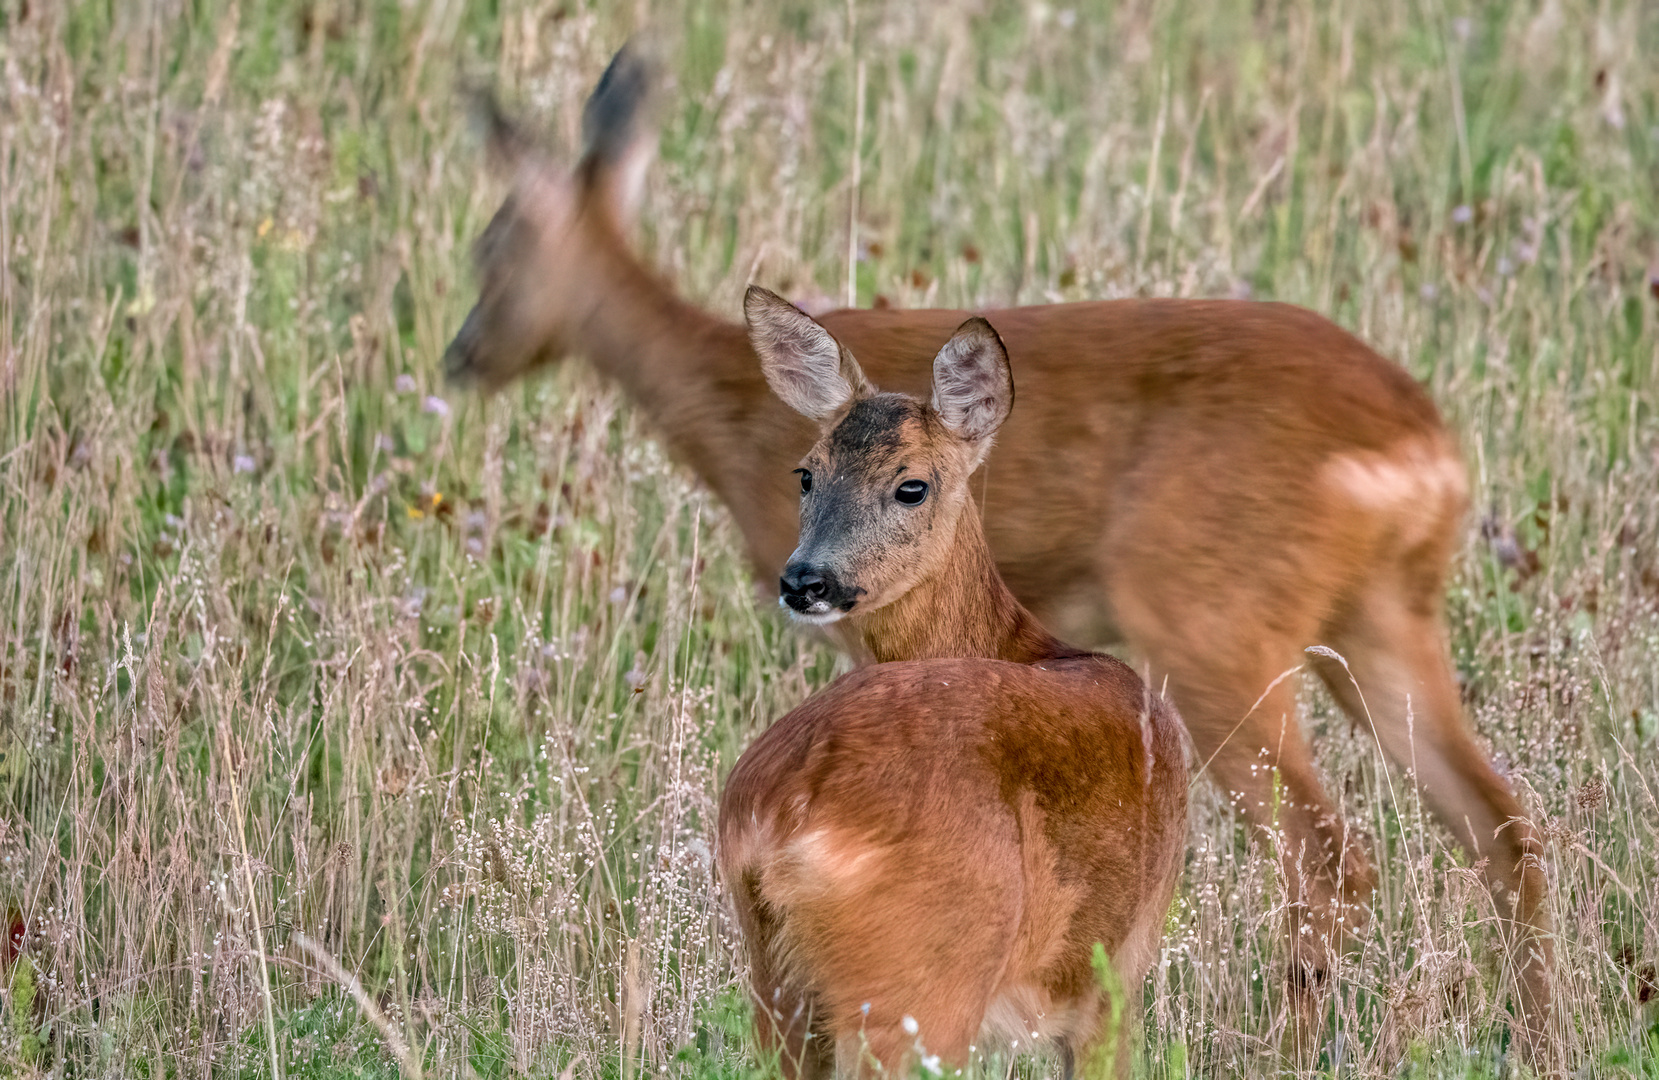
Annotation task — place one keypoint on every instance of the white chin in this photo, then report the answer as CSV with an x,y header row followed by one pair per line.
x,y
819,614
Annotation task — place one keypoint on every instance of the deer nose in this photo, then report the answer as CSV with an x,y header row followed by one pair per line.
x,y
811,590
458,358
801,582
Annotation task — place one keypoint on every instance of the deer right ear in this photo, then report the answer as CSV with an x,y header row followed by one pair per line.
x,y
812,372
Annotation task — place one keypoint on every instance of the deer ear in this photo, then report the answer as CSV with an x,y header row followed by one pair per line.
x,y
973,386
619,140
506,146
812,372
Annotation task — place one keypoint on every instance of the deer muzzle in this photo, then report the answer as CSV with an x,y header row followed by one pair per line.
x,y
815,593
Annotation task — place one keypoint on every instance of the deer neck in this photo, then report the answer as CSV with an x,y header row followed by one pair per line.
x,y
639,333
962,609
696,379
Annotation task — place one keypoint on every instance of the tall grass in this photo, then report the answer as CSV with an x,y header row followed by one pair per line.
x,y
297,639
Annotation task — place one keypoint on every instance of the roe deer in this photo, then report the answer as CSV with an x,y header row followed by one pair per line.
x,y
1219,484
926,852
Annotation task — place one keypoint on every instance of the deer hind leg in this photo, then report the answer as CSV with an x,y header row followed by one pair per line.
x,y
788,1022
1398,656
1239,704
881,996
1227,626
1263,764
907,951
890,1050
928,1003
1098,1047
1103,1053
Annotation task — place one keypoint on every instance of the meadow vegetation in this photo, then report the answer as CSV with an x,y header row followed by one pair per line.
x,y
299,644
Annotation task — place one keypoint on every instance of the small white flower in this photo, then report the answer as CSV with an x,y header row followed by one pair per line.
x,y
1463,214
436,405
241,463
909,1024
404,384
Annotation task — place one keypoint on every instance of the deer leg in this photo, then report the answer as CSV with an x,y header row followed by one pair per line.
x,y
1096,1060
905,964
1406,693
1087,1048
787,1020
784,1026
1096,1052
894,1048
1231,671
929,1004
1245,731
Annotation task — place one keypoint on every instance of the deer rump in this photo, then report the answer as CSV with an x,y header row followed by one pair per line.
x,y
946,840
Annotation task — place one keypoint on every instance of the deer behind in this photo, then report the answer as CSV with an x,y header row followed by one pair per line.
x,y
925,853
1219,484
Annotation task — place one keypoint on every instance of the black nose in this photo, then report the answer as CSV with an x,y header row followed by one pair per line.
x,y
813,590
800,582
458,361
458,358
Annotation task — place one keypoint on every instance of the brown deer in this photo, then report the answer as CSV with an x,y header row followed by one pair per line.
x,y
925,853
1218,484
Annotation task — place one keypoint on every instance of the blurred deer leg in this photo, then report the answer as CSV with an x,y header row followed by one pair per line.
x,y
1243,722
1398,656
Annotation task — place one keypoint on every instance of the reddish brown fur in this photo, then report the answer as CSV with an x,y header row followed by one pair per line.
x,y
939,836
1220,484
945,839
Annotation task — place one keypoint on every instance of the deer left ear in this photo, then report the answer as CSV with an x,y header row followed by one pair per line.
x,y
973,385
619,133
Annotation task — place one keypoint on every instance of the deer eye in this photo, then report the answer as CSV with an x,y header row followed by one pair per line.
x,y
806,480
911,492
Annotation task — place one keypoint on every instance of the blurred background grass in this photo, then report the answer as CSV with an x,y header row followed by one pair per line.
x,y
297,639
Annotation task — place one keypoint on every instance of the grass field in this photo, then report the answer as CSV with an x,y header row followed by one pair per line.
x,y
299,644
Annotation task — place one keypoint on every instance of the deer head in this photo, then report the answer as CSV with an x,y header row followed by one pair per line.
x,y
885,486
536,260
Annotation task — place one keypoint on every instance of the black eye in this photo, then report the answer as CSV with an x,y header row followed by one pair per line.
x,y
806,480
911,492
